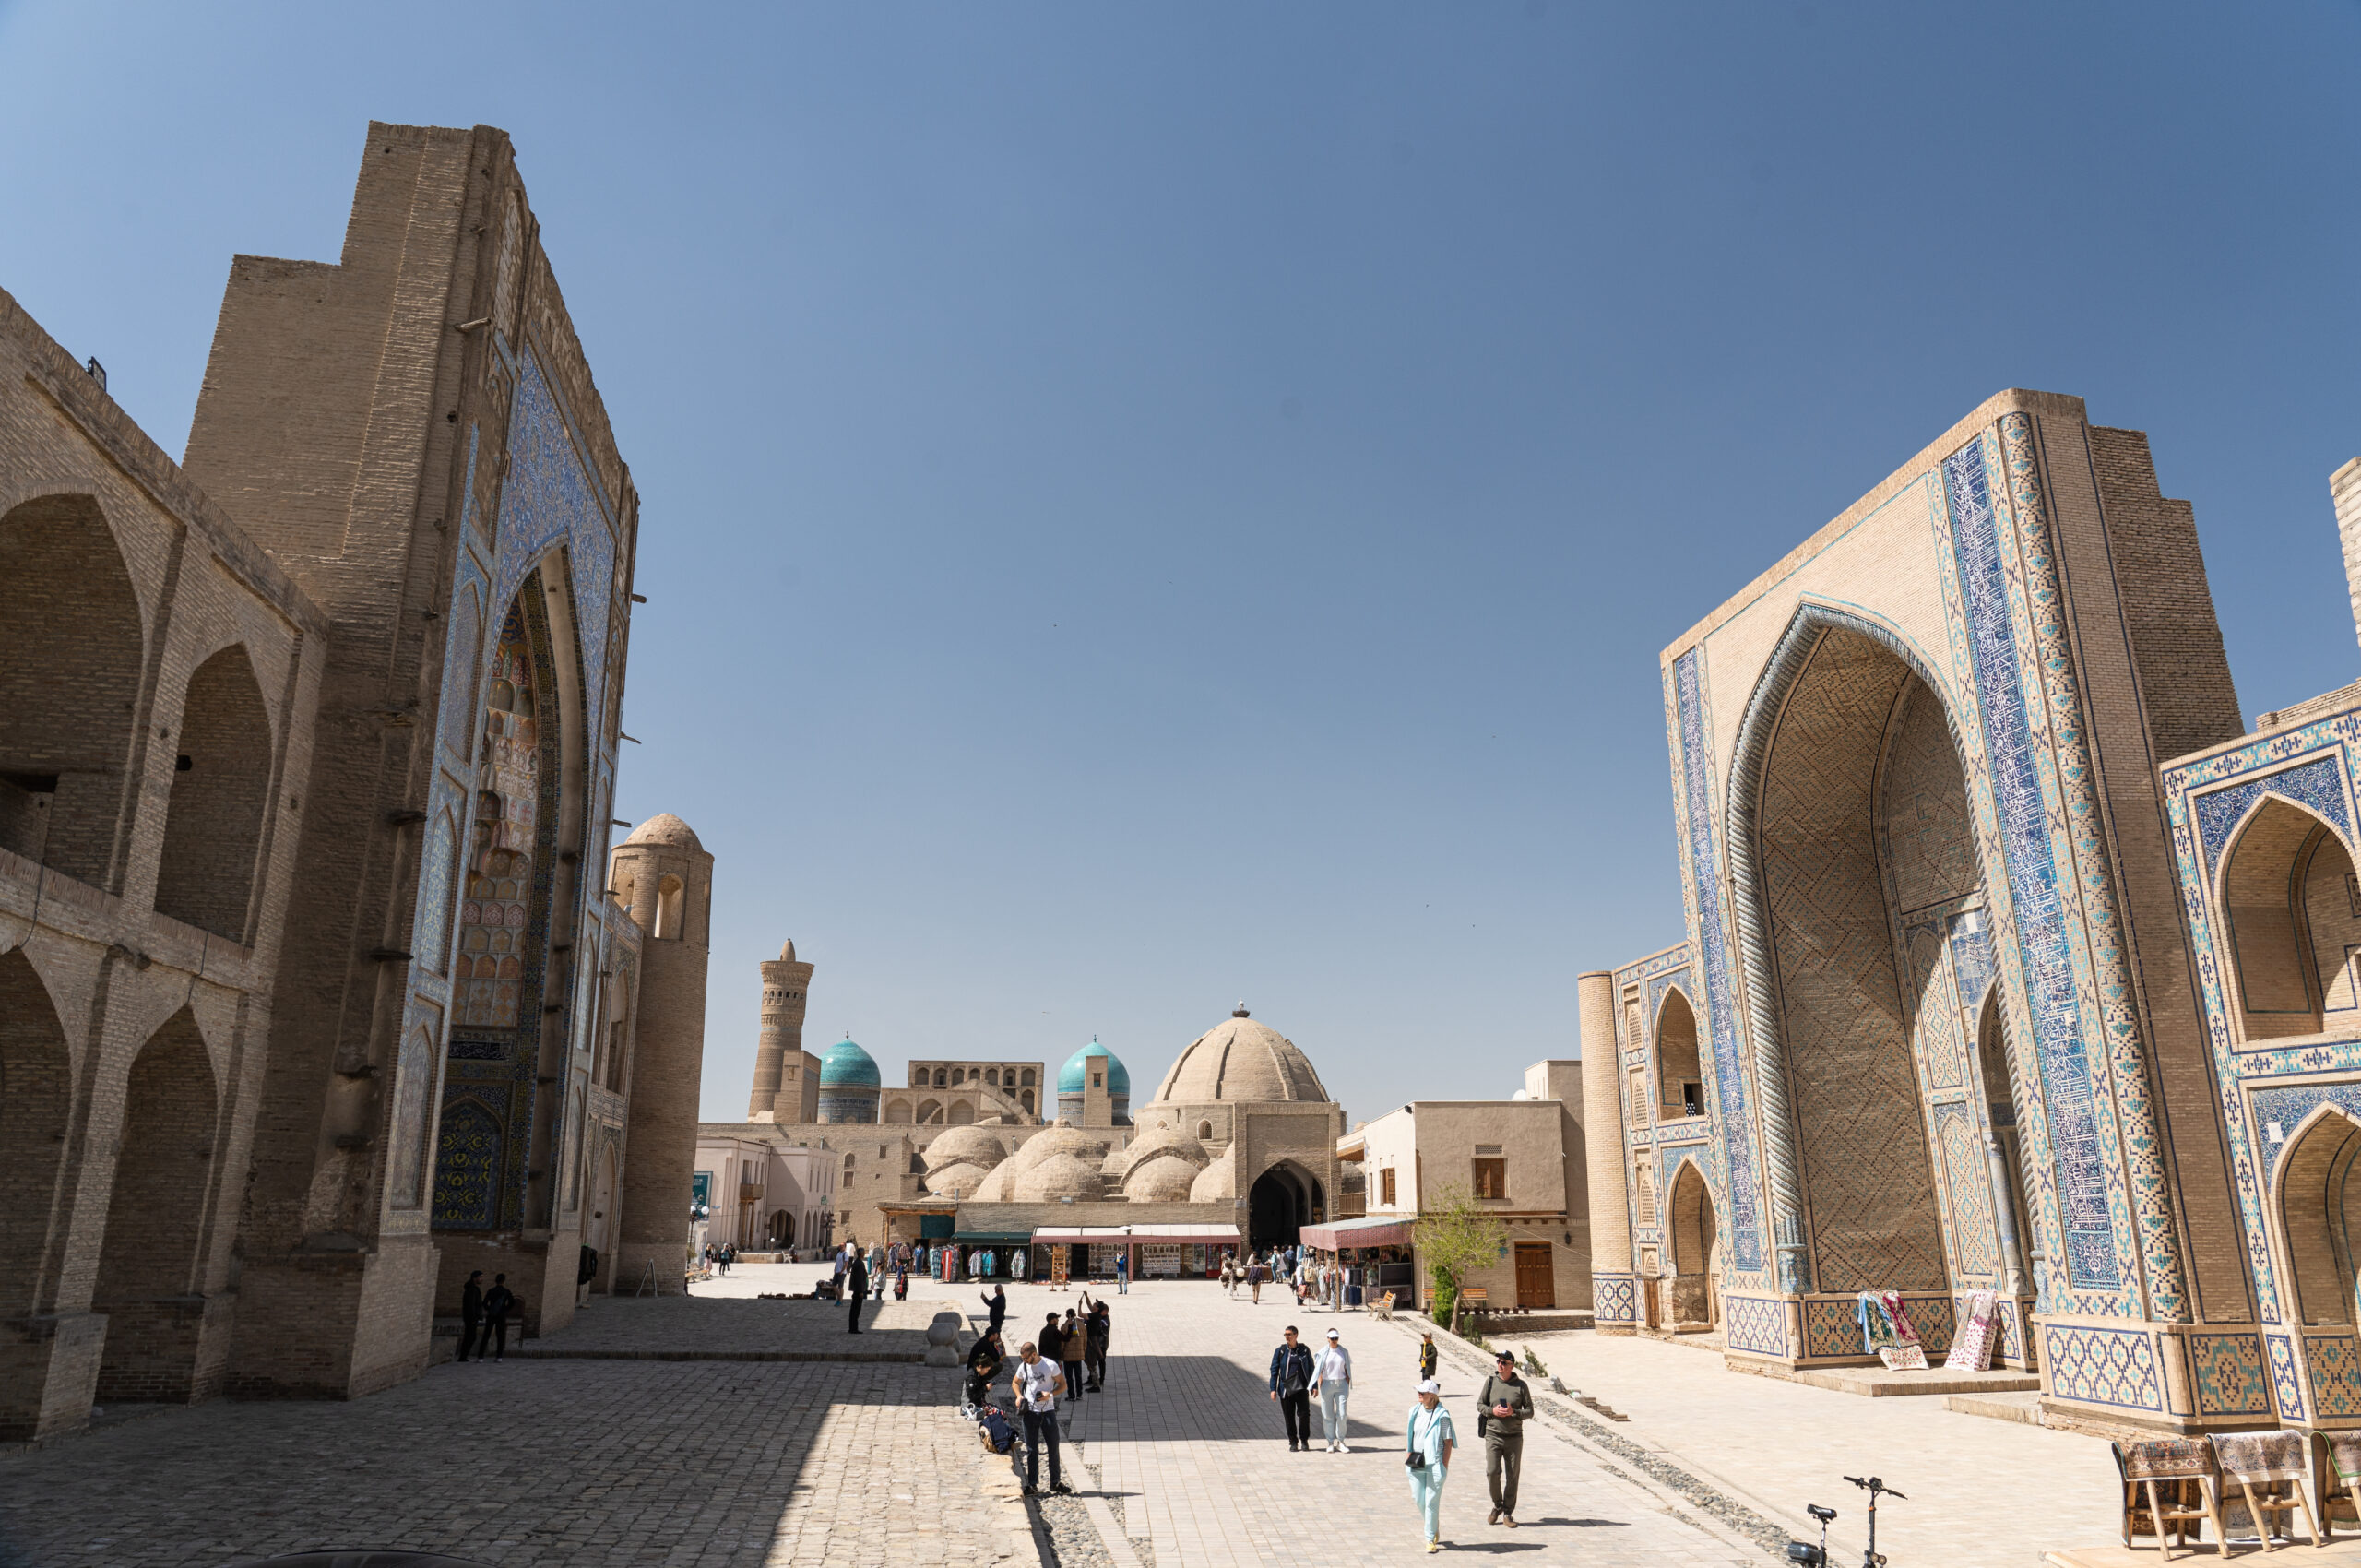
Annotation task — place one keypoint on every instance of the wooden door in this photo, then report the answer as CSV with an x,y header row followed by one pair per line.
x,y
1536,1277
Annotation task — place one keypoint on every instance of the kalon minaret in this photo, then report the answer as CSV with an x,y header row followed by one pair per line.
x,y
787,1077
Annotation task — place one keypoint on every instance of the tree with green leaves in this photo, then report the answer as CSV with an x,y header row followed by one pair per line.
x,y
1456,1236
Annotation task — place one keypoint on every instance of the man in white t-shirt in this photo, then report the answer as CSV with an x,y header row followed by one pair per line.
x,y
1035,1388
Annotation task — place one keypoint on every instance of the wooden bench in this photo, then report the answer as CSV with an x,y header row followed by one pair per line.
x,y
1477,1298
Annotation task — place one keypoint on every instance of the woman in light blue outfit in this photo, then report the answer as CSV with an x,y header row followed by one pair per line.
x,y
1430,1440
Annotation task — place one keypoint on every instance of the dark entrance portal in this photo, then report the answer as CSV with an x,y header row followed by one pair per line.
x,y
1283,1200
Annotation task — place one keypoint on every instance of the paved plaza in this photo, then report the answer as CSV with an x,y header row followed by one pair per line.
x,y
619,1458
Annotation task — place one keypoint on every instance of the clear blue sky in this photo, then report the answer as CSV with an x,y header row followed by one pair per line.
x,y
1144,505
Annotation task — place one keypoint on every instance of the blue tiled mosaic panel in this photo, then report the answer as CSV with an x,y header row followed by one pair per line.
x,y
2103,1366
466,1170
2030,855
1721,1001
2316,784
1832,1329
1972,965
2283,1382
1755,1323
1614,1298
2290,1105
2335,1366
2228,1370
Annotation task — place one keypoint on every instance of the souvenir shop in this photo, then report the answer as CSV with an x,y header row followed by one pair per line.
x,y
1159,1251
1375,1254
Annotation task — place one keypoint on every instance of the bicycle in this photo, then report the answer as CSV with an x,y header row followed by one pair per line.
x,y
1811,1556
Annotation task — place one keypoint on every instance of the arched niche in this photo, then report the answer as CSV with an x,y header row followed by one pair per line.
x,y
70,677
1680,1089
2319,1210
1830,882
1692,1238
220,790
36,1098
149,1254
2291,919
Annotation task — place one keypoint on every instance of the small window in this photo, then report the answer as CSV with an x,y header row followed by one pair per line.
x,y
1098,1080
1028,1079
1385,1186
1491,1178
1204,1131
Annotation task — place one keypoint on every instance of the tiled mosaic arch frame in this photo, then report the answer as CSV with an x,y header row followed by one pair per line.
x,y
2316,790
1813,619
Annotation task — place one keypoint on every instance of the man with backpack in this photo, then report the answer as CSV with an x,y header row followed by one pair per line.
x,y
498,1303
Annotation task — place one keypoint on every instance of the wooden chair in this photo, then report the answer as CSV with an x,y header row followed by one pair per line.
x,y
2168,1487
2336,1475
2268,1470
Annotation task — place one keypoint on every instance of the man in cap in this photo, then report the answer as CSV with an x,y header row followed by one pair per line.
x,y
1505,1406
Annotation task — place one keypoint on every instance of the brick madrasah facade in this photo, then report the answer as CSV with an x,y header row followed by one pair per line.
x,y
2015,961
313,996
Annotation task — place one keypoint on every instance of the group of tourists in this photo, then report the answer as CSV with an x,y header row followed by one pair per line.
x,y
1067,1360
1316,1281
719,1259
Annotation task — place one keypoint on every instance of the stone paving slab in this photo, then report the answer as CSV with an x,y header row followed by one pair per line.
x,y
523,1464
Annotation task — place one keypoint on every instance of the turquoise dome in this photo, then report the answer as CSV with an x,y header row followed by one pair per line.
x,y
1071,1076
846,1066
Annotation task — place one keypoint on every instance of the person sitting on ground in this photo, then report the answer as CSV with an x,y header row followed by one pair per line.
x,y
984,1358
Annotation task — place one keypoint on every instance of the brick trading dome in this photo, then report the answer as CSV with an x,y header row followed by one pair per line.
x,y
1239,1059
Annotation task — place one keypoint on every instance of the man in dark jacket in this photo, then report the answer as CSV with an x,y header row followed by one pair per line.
x,y
1291,1373
471,1315
498,1303
1503,1405
1094,1356
856,1288
997,1305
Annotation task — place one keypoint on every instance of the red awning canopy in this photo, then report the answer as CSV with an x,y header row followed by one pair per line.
x,y
1347,1234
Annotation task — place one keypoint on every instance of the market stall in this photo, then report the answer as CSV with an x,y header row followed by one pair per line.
x,y
1376,1253
1158,1252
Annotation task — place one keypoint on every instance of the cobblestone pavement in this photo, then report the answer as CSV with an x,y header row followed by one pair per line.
x,y
538,1462
1776,1445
